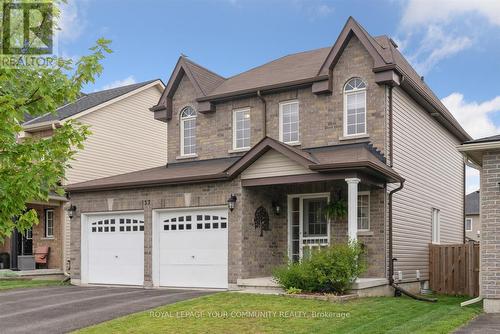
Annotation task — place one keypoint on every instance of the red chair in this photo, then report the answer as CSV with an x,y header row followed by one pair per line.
x,y
42,255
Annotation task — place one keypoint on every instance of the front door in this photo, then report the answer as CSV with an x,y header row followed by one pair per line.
x,y
25,244
308,227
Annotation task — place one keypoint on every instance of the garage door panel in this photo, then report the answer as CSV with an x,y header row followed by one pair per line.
x,y
193,248
116,249
198,256
209,276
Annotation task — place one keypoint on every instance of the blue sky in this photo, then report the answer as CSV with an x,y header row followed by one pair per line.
x,y
455,44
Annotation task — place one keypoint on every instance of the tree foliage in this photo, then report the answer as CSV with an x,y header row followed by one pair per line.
x,y
32,168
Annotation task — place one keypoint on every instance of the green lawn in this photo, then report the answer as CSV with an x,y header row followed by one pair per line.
x,y
368,315
19,283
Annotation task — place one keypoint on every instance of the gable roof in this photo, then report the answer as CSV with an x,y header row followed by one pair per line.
x,y
472,203
357,157
312,66
86,102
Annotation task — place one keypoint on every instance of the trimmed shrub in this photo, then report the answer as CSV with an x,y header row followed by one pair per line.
x,y
327,270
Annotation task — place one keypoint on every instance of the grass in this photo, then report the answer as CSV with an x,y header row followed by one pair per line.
x,y
7,284
367,315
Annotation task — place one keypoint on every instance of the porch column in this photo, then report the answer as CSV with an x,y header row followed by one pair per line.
x,y
352,208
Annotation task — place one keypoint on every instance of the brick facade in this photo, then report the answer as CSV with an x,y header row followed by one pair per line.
x,y
250,255
320,116
39,239
490,231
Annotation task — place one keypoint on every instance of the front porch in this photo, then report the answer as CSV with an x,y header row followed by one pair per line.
x,y
297,224
18,252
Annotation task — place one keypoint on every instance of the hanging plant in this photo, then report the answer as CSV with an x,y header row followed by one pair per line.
x,y
336,209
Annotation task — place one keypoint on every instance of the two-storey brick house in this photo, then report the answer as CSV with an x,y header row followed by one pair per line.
x,y
254,159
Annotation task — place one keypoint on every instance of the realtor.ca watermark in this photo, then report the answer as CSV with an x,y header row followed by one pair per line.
x,y
28,38
249,314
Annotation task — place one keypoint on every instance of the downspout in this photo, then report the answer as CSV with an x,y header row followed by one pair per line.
x,y
391,259
397,289
264,125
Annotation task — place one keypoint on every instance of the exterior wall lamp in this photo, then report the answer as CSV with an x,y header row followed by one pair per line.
x,y
231,201
71,211
276,208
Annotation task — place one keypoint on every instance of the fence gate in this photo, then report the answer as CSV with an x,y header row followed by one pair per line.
x,y
454,269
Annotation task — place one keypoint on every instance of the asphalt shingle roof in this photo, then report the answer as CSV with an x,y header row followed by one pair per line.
x,y
85,102
484,140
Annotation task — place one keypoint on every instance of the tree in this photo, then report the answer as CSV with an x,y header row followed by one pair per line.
x,y
32,168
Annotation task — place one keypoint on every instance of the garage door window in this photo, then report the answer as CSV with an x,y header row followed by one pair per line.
x,y
117,225
195,222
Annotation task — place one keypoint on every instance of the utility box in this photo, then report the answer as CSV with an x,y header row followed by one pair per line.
x,y
26,262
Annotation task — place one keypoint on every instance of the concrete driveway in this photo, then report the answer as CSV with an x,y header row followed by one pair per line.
x,y
66,308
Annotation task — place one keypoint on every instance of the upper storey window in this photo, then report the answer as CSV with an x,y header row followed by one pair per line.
x,y
289,122
241,129
188,131
355,107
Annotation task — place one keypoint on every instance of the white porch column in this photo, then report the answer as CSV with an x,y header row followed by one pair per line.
x,y
352,208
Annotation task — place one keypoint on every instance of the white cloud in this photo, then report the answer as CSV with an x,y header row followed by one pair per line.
x,y
421,12
118,83
472,180
436,46
71,21
475,117
314,9
443,28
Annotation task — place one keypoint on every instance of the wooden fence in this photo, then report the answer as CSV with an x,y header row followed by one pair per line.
x,y
454,269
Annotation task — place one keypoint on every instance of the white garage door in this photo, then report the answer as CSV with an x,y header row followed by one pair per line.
x,y
116,249
193,248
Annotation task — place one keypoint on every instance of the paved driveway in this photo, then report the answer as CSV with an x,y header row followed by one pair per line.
x,y
483,324
66,308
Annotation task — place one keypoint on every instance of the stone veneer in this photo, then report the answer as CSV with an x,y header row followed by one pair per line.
x,y
320,116
490,231
250,255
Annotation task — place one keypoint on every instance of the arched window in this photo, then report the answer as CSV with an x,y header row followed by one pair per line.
x,y
188,131
355,107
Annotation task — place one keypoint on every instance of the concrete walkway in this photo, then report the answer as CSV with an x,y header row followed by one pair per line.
x,y
483,324
63,309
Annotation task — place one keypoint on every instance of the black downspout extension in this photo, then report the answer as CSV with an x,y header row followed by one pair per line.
x,y
391,256
264,126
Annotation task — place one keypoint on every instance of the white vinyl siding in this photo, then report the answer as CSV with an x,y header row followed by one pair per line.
x,y
272,164
425,155
241,129
49,223
289,122
125,138
363,211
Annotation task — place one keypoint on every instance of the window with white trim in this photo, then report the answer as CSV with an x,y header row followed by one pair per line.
x,y
289,122
355,107
241,129
188,131
435,225
468,224
49,223
363,211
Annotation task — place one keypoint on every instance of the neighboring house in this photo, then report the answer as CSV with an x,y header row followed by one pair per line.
x,y
254,159
484,153
124,138
472,217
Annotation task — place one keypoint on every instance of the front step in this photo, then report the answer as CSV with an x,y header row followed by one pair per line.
x,y
261,285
